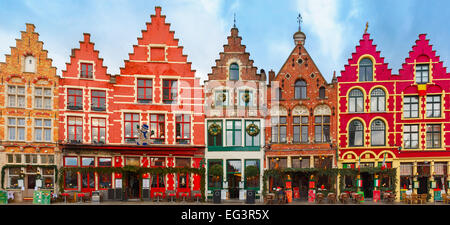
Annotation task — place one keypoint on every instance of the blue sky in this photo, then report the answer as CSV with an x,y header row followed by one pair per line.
x,y
333,28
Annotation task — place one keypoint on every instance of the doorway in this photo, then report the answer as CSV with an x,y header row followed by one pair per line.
x,y
132,188
301,181
367,184
233,185
423,185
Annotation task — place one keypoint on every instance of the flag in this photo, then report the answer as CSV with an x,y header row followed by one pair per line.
x,y
383,165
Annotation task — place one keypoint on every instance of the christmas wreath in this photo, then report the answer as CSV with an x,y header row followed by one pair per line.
x,y
222,97
21,175
252,129
214,129
246,97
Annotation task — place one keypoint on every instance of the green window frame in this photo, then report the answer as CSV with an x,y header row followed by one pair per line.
x,y
252,140
234,133
218,139
252,162
212,185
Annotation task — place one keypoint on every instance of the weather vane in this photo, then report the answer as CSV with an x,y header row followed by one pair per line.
x,y
299,20
367,26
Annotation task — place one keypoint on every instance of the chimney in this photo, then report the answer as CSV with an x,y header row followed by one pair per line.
x,y
271,75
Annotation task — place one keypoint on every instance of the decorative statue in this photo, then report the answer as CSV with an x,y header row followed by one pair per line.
x,y
144,135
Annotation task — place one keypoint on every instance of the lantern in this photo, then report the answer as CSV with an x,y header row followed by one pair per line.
x,y
433,184
416,184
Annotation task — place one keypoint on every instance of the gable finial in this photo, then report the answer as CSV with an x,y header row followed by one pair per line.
x,y
234,21
367,26
299,20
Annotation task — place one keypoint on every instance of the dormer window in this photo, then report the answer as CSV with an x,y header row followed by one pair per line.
x,y
422,73
86,70
234,71
30,64
365,70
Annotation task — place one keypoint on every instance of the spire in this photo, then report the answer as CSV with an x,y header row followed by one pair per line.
x,y
367,26
234,21
299,36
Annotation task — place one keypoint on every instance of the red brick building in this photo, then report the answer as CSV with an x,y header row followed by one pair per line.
x,y
156,90
302,120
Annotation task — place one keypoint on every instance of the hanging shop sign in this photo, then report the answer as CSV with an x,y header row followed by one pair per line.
x,y
416,184
118,183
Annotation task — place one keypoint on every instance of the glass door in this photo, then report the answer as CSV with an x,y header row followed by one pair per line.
x,y
234,168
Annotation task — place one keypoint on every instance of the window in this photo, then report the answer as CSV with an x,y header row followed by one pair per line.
x,y
48,174
170,91
300,89
75,99
98,130
104,162
215,139
377,100
98,100
252,140
42,98
300,162
158,181
86,70
411,136
183,178
234,71
422,71
300,129
356,101
18,158
13,175
131,124
279,129
252,182
75,128
70,161
356,133
434,106
365,70
378,133
322,94
221,98
30,64
42,130
87,161
16,96
234,132
10,158
322,129
16,129
145,91
323,162
31,159
183,129
157,126
277,163
157,161
245,98
411,107
70,180
434,136
214,182
87,178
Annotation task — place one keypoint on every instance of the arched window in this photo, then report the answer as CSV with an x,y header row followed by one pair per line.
x,y
30,64
322,93
356,133
300,89
234,71
378,133
356,101
377,100
365,70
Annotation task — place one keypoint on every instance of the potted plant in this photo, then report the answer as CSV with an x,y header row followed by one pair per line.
x,y
216,171
251,172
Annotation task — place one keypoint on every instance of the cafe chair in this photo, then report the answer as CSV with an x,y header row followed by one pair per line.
x,y
344,197
331,198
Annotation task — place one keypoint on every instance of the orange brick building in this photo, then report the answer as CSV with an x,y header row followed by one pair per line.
x,y
301,125
29,117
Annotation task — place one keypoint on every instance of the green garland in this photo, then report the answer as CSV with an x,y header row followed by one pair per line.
x,y
139,170
214,129
252,129
277,173
25,166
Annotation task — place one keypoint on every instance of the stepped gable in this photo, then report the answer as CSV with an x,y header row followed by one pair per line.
x,y
86,53
157,45
234,52
28,44
365,48
422,52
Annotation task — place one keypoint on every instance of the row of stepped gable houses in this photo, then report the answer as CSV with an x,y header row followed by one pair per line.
x,y
154,131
